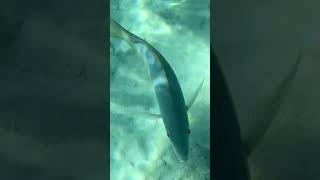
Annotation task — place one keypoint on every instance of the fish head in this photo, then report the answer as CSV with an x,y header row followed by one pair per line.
x,y
180,143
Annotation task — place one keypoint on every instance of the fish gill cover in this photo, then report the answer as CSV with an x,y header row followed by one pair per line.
x,y
139,147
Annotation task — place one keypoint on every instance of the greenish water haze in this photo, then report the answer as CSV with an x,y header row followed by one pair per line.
x,y
53,90
139,147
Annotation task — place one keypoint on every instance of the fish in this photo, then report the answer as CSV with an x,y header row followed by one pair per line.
x,y
230,150
170,99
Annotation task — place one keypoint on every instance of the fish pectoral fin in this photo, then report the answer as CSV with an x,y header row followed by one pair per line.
x,y
151,116
194,96
154,116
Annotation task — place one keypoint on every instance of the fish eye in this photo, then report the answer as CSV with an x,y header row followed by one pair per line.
x,y
168,134
188,131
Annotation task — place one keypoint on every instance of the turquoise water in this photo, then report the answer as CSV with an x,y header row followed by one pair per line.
x,y
139,147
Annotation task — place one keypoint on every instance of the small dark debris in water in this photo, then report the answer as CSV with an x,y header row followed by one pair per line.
x,y
113,49
202,23
122,153
132,164
113,71
164,162
83,73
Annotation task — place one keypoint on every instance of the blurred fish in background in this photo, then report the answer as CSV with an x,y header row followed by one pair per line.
x,y
268,52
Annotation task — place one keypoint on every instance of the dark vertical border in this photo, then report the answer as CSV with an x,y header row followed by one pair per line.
x,y
107,42
211,99
228,161
50,117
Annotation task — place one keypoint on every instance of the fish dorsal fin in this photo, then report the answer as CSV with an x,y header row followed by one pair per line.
x,y
194,96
